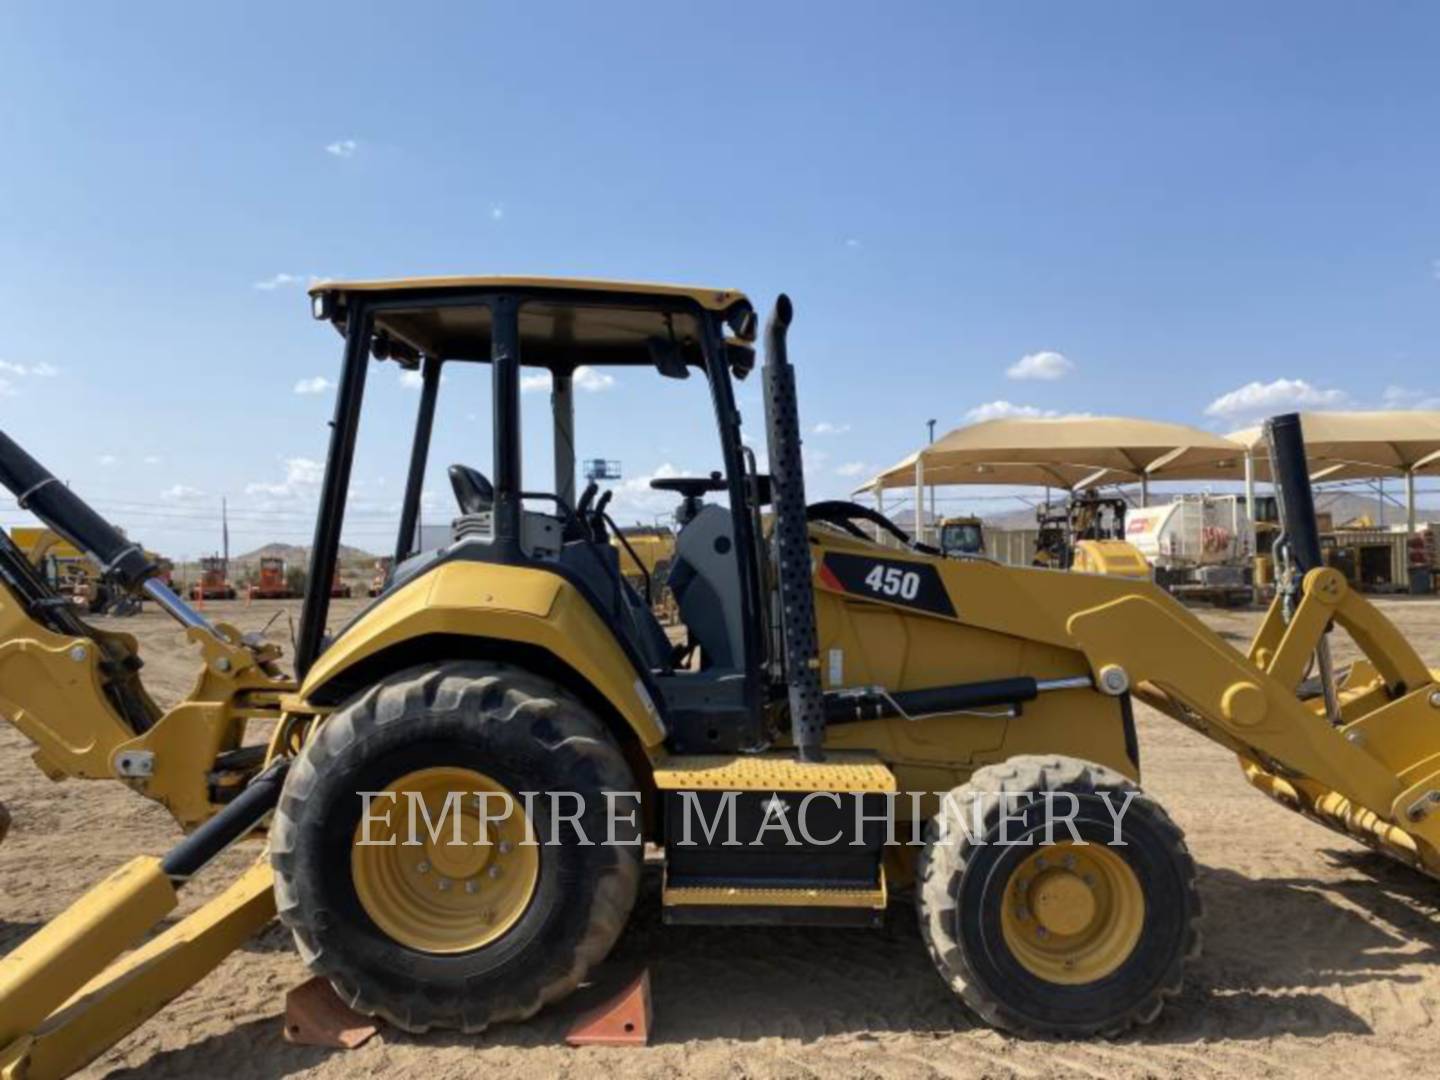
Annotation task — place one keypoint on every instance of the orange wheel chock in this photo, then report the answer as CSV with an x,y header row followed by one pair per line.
x,y
624,1020
315,1016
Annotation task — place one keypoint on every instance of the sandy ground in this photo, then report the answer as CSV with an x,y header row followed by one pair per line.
x,y
1318,956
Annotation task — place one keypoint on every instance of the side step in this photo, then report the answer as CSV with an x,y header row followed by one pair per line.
x,y
765,839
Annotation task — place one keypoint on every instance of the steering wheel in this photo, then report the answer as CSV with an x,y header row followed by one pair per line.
x,y
474,493
691,487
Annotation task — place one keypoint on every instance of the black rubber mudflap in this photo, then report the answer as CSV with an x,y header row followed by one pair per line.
x,y
791,539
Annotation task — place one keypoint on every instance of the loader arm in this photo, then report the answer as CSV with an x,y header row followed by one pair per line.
x,y
1384,759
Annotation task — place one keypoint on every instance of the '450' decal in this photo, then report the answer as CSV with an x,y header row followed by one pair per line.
x,y
909,584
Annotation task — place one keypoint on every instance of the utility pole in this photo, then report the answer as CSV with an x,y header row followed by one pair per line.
x,y
225,531
931,425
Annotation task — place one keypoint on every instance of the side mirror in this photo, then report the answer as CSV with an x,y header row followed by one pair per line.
x,y
665,354
740,357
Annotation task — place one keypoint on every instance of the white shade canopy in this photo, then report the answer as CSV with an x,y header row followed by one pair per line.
x,y
1064,452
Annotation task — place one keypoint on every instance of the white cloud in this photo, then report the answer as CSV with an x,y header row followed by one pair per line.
x,y
592,381
316,384
7,388
497,212
636,500
1046,365
852,242
276,281
1401,397
181,493
342,148
1257,399
41,370
855,468
153,459
412,380
108,459
302,478
997,410
825,427
585,378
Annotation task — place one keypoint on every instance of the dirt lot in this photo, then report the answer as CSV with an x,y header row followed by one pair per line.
x,y
1319,956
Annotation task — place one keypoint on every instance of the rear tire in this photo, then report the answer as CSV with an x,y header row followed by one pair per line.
x,y
525,733
1106,962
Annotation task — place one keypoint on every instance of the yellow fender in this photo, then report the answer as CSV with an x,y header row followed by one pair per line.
x,y
506,604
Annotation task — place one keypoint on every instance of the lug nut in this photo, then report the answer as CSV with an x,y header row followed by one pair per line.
x,y
444,884
472,886
505,847
422,867
1022,913
494,872
1041,933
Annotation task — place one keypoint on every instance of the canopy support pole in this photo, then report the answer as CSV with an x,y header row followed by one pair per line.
x,y
1254,533
919,530
1144,489
1410,500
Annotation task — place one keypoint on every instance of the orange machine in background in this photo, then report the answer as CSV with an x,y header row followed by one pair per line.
x,y
271,583
214,583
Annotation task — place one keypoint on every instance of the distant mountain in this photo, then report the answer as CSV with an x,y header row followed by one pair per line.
x,y
298,554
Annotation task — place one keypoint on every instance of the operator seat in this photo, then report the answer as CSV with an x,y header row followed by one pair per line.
x,y
705,578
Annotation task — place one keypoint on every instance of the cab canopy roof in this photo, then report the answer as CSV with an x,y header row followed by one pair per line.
x,y
564,322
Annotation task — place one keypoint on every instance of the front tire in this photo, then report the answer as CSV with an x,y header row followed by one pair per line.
x,y
509,927
1059,939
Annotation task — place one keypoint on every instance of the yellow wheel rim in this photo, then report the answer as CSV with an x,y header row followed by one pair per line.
x,y
1073,913
437,895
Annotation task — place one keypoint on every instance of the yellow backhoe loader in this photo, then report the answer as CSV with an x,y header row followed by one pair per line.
x,y
455,785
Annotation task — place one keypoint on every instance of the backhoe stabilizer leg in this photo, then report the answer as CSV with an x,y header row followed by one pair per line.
x,y
41,974
63,995
129,992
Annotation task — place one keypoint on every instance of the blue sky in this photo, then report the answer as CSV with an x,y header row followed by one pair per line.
x,y
1178,200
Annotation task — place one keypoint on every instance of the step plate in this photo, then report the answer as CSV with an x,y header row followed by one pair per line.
x,y
776,770
745,906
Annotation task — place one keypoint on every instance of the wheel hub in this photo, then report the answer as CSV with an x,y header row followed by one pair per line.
x,y
1072,912
434,877
1063,903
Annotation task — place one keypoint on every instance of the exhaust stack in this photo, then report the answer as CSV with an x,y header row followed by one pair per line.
x,y
792,540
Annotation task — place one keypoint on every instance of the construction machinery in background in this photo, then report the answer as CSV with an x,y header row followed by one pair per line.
x,y
962,535
380,577
270,581
646,553
71,574
1198,545
1086,534
820,675
214,582
339,589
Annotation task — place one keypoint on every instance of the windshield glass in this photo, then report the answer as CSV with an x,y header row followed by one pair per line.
x,y
964,538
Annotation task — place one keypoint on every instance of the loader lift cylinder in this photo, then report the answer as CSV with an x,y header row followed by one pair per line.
x,y
1292,483
1301,531
55,504
792,540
